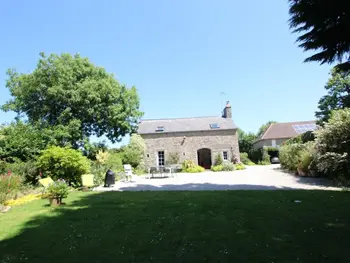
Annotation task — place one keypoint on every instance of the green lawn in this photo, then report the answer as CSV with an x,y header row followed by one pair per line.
x,y
227,226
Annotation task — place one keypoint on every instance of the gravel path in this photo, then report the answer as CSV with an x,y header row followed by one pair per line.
x,y
253,178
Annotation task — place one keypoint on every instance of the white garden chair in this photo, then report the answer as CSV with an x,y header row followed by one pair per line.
x,y
129,177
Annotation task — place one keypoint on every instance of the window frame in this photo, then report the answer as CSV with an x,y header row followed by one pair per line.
x,y
223,155
159,158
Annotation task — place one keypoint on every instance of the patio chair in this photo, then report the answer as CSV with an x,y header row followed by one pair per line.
x,y
129,177
174,169
152,171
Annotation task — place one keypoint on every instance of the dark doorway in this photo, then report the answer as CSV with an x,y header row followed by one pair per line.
x,y
204,158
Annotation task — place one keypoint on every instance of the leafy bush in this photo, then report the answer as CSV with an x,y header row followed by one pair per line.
x,y
333,146
290,155
228,166
225,166
57,190
9,186
305,160
240,166
297,139
107,160
217,168
188,166
64,163
264,163
114,162
195,169
173,158
256,155
266,156
218,159
308,136
99,172
28,171
245,159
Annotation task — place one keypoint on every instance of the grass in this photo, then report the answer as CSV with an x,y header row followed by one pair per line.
x,y
227,226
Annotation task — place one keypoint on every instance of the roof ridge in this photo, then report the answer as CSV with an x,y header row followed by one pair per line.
x,y
289,122
184,118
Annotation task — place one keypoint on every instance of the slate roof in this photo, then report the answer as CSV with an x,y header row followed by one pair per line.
x,y
282,130
185,125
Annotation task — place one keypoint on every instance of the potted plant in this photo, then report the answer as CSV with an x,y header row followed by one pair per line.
x,y
56,192
313,168
301,169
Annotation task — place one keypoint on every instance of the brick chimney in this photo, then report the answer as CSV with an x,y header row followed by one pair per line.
x,y
227,112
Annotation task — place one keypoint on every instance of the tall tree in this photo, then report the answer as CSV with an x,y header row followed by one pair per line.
x,y
264,127
246,141
338,97
324,26
25,141
134,151
64,89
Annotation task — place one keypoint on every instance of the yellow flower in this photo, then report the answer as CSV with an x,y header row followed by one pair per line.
x,y
23,200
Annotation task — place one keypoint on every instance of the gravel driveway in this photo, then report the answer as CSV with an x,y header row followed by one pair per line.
x,y
253,178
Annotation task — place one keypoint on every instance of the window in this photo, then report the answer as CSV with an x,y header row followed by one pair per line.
x,y
214,126
160,129
161,159
225,156
273,143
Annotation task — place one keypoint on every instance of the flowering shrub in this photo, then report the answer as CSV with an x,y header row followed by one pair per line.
x,y
57,190
189,166
23,200
195,169
228,166
9,186
216,168
239,166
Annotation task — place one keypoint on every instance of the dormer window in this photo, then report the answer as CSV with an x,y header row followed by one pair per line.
x,y
214,126
160,129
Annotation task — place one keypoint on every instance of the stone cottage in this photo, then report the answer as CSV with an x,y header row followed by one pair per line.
x,y
277,133
198,139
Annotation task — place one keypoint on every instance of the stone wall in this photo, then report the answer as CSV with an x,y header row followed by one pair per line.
x,y
186,144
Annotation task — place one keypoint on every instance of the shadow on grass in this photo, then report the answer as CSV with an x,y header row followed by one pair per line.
x,y
175,226
198,187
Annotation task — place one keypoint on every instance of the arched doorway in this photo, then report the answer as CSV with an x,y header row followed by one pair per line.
x,y
204,157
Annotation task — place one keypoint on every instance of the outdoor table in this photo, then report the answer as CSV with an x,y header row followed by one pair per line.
x,y
160,170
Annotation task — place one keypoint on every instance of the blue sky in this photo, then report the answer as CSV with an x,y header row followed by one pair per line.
x,y
180,54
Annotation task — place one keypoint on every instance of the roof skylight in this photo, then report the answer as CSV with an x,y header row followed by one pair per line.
x,y
214,126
